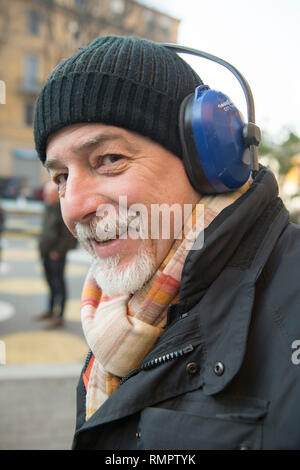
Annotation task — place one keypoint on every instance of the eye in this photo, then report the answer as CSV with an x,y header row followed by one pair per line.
x,y
110,159
60,179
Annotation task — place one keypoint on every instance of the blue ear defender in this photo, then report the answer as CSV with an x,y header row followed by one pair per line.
x,y
219,148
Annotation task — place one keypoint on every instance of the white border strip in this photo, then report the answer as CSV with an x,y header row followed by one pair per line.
x,y
40,371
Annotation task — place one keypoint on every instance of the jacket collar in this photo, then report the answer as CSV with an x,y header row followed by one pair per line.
x,y
220,278
223,236
214,313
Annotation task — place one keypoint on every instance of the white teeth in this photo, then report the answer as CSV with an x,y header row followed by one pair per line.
x,y
107,230
116,234
100,240
111,233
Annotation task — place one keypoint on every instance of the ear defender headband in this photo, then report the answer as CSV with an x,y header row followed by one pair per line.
x,y
219,148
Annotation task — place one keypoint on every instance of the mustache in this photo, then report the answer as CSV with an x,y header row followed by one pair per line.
x,y
107,227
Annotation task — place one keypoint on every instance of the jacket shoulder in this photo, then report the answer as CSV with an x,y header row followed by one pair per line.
x,y
281,279
285,257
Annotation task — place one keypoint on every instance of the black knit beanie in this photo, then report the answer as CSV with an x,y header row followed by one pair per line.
x,y
127,82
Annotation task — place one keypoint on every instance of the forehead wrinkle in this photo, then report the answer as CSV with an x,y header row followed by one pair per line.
x,y
93,142
89,145
102,138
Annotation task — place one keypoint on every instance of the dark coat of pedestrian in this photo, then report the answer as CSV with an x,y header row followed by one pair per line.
x,y
54,243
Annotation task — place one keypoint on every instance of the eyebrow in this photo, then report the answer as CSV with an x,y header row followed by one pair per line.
x,y
89,144
94,141
53,164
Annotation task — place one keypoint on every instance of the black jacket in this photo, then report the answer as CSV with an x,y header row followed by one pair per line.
x,y
223,375
55,236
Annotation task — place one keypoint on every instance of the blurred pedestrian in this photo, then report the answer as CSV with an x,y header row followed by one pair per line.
x,y
54,243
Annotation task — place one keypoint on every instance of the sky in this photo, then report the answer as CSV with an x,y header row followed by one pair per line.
x,y
261,39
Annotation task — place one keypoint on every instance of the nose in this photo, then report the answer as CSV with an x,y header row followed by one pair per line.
x,y
81,198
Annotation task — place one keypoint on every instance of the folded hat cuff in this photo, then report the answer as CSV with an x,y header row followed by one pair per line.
x,y
97,97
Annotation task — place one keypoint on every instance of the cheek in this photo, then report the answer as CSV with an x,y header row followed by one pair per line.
x,y
144,184
135,186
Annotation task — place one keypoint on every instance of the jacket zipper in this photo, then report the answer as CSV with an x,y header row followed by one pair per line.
x,y
158,361
87,360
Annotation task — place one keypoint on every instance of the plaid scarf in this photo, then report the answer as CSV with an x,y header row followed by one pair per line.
x,y
121,330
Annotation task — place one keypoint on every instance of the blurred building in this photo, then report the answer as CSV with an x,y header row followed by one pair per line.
x,y
35,35
291,188
291,183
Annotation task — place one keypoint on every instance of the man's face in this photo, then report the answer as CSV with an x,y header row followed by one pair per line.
x,y
96,165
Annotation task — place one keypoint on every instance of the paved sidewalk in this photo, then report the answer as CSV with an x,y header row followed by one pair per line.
x,y
37,410
39,375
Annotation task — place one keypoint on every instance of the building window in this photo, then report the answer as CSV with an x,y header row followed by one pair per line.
x,y
165,22
30,81
150,20
2,92
117,6
73,27
79,3
28,114
33,23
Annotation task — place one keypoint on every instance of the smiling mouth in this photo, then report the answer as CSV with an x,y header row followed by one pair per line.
x,y
109,239
105,242
118,233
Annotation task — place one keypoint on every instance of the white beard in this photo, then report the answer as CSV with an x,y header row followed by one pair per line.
x,y
113,279
110,277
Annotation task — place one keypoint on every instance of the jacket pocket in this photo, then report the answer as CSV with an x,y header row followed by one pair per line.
x,y
192,424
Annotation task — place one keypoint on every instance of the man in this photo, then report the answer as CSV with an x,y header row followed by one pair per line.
x,y
190,348
54,243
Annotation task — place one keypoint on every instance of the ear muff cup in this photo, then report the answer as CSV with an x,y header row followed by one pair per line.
x,y
191,159
215,156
